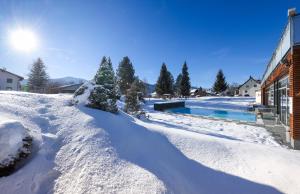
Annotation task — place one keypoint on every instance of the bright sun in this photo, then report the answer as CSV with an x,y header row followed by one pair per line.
x,y
23,40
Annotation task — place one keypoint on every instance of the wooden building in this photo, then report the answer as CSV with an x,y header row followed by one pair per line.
x,y
281,81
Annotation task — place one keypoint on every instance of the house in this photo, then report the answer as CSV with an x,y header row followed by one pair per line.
x,y
198,92
280,88
249,88
9,81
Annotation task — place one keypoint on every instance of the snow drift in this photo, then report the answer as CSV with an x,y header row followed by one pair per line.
x,y
84,150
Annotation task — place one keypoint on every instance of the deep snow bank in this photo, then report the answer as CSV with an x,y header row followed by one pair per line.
x,y
83,150
12,134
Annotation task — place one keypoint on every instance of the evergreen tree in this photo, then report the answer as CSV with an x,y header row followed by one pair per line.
x,y
164,84
104,94
177,84
125,74
141,87
185,84
220,84
105,74
38,77
132,99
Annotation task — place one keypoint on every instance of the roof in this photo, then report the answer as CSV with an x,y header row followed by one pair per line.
x,y
250,78
20,77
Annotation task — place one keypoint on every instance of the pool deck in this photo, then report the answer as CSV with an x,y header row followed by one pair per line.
x,y
278,131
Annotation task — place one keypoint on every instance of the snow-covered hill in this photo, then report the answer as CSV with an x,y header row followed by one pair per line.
x,y
83,150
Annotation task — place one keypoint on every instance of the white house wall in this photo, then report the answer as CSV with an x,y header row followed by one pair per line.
x,y
251,90
15,85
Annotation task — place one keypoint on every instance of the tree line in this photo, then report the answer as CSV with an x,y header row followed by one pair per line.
x,y
110,86
165,84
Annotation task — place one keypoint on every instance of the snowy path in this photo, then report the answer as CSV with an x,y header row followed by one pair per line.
x,y
81,150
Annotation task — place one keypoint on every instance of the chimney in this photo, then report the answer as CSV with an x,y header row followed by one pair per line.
x,y
292,12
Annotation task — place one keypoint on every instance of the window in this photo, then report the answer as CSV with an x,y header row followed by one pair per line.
x,y
246,91
8,88
255,85
247,86
9,80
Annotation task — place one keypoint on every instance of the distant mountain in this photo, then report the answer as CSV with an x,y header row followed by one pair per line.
x,y
150,88
61,81
68,80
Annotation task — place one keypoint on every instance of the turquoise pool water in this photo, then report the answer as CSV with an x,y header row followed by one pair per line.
x,y
223,114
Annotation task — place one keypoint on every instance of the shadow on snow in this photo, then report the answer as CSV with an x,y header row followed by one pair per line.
x,y
153,152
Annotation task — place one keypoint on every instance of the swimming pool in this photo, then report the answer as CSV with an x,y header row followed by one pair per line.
x,y
215,113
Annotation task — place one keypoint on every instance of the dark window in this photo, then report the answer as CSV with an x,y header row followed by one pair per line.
x,y
9,80
255,85
246,91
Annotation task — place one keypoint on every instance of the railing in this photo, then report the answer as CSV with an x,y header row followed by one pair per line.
x,y
282,48
290,36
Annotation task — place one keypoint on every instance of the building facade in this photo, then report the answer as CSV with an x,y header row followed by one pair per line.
x,y
9,81
249,88
281,81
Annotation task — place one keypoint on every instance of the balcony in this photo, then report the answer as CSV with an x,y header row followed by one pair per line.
x,y
289,38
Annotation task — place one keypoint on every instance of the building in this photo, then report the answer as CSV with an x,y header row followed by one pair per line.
x,y
9,81
198,92
281,80
249,88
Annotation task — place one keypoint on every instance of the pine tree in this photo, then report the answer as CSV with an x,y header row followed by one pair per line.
x,y
141,87
185,84
105,74
38,77
104,94
132,99
220,84
177,84
164,84
125,75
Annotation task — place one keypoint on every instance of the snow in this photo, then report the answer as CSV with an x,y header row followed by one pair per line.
x,y
82,99
83,150
11,135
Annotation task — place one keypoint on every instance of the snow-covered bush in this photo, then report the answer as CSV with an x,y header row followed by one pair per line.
x,y
15,144
103,99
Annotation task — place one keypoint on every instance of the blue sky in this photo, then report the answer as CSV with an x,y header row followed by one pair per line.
x,y
236,36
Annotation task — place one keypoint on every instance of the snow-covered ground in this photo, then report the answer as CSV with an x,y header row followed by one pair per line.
x,y
82,150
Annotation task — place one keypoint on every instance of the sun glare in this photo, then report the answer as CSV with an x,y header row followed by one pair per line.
x,y
23,40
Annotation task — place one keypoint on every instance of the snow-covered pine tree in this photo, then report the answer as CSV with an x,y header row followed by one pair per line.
x,y
220,84
185,84
104,94
105,74
125,75
164,84
132,104
38,77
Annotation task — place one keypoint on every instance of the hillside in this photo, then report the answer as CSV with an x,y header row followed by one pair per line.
x,y
61,81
